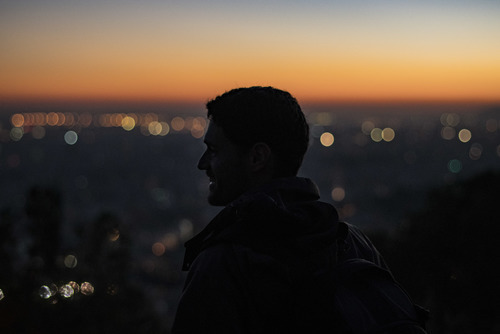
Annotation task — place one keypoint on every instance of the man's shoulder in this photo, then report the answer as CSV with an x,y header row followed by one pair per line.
x,y
353,243
234,255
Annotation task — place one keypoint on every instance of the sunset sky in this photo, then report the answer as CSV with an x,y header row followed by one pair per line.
x,y
326,50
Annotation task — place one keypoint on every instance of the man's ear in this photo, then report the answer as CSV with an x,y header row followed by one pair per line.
x,y
261,157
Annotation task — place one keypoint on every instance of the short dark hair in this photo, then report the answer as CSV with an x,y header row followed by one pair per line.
x,y
264,114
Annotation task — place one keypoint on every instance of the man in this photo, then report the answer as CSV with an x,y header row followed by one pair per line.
x,y
261,265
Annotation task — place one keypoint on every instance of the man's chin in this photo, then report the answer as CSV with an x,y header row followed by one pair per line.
x,y
215,200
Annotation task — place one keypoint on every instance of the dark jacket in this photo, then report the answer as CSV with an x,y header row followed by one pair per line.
x,y
261,265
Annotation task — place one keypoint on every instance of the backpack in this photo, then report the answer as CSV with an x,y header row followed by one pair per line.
x,y
368,300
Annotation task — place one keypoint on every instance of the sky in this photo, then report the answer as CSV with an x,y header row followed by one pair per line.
x,y
187,50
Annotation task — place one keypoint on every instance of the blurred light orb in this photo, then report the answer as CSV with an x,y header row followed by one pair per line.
x,y
177,123
197,132
53,289
29,119
327,139
464,135
367,127
475,151
128,123
154,128
134,117
450,119
200,122
17,120
52,118
70,261
158,249
38,132
2,296
491,125
116,119
71,137
170,241
40,119
86,288
453,119
165,129
388,134
197,127
348,210
454,166
69,119
66,291
148,118
74,286
44,292
338,194
16,134
61,119
85,119
102,120
376,135
448,133
188,123
114,235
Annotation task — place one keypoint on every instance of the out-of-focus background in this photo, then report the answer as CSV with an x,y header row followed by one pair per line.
x,y
101,125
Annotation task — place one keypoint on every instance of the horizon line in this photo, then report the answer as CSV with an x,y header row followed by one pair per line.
x,y
195,101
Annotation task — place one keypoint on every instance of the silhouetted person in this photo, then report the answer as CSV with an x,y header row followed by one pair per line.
x,y
260,266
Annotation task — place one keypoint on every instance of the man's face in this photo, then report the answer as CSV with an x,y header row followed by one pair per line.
x,y
226,166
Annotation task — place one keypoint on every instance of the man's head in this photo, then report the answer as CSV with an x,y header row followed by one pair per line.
x,y
260,134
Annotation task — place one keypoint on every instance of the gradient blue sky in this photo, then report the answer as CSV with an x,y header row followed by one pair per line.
x,y
191,50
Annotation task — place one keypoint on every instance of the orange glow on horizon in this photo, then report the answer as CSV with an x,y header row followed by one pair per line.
x,y
337,80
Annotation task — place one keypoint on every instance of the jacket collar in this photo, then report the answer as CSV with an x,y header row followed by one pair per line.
x,y
293,188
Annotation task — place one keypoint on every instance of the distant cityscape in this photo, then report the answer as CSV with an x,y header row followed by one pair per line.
x,y
375,166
